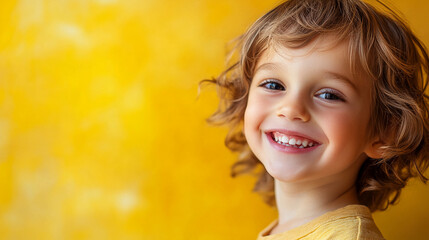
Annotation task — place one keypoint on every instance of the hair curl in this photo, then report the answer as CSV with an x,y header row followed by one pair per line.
x,y
383,46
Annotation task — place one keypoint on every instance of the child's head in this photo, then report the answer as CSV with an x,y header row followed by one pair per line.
x,y
380,56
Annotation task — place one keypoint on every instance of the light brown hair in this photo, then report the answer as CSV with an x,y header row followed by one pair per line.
x,y
383,47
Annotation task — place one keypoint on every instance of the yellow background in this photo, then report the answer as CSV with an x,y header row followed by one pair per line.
x,y
101,132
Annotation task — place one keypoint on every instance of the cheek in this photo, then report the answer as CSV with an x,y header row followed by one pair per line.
x,y
249,127
256,111
250,119
347,130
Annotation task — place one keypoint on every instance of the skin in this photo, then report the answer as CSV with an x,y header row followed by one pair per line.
x,y
312,92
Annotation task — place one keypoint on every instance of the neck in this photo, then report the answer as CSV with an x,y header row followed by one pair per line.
x,y
299,203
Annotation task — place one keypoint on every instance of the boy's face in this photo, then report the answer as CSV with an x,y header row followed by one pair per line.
x,y
307,115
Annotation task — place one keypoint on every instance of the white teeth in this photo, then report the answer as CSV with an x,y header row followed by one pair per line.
x,y
284,139
292,142
304,143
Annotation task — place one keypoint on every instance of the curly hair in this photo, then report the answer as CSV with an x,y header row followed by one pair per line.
x,y
382,45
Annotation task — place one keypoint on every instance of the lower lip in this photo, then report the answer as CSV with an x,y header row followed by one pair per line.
x,y
288,149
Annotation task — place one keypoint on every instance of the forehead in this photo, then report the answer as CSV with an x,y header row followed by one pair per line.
x,y
326,48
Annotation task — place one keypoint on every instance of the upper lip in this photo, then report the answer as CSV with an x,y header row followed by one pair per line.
x,y
292,133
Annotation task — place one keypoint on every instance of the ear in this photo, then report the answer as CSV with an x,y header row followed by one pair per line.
x,y
374,149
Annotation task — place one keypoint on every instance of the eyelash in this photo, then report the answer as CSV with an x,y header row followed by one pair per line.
x,y
330,94
335,96
265,84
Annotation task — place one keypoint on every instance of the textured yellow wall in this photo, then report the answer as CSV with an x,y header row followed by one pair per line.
x,y
101,133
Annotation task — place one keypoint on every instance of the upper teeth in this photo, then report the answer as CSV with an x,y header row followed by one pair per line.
x,y
292,141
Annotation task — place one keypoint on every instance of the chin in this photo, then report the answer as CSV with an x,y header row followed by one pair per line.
x,y
283,172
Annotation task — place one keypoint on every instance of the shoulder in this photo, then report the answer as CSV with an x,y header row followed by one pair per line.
x,y
349,227
351,222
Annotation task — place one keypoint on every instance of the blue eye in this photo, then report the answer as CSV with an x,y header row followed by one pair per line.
x,y
272,85
330,95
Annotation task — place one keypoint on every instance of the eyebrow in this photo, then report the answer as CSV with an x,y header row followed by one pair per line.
x,y
342,78
267,66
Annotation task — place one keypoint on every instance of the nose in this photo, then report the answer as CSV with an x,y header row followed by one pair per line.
x,y
293,108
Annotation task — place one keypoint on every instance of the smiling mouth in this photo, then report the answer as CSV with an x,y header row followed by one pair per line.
x,y
292,141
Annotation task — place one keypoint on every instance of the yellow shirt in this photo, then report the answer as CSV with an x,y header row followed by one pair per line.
x,y
350,222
